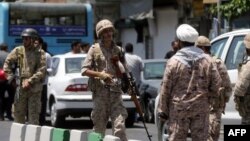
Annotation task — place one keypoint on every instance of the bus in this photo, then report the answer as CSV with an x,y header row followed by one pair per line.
x,y
59,24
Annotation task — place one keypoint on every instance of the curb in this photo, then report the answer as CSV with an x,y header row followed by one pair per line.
x,y
28,132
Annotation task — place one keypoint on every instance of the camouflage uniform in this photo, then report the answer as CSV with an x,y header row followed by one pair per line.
x,y
242,86
107,99
242,90
218,104
188,78
33,68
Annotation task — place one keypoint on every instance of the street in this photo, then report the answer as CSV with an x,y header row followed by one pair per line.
x,y
136,132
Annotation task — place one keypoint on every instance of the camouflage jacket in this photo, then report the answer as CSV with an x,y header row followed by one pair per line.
x,y
100,59
31,63
225,91
222,69
189,77
242,85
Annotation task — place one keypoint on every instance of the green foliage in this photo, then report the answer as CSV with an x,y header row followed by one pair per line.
x,y
232,9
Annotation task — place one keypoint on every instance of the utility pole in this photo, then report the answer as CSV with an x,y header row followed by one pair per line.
x,y
219,16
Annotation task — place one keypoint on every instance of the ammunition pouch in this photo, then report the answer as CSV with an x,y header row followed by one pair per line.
x,y
93,84
242,104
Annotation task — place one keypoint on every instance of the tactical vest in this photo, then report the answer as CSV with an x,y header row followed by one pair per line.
x,y
97,53
94,83
20,54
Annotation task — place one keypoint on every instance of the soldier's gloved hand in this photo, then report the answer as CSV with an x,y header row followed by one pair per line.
x,y
105,76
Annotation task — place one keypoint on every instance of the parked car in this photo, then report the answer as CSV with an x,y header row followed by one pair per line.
x,y
68,93
230,48
151,78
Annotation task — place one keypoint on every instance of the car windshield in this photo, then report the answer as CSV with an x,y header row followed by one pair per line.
x,y
73,65
154,70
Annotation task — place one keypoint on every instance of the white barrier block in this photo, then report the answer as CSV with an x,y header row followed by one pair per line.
x,y
77,135
17,132
111,138
134,140
46,133
32,133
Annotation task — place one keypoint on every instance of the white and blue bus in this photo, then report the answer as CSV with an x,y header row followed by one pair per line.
x,y
59,24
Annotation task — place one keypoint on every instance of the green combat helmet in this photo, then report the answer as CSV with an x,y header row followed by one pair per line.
x,y
29,32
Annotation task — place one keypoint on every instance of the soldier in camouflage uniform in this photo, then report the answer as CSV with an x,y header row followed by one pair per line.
x,y
30,66
217,106
189,77
105,83
242,86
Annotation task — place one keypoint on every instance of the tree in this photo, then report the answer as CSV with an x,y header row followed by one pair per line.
x,y
232,9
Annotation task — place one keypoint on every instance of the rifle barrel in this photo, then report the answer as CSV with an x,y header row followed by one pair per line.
x,y
134,94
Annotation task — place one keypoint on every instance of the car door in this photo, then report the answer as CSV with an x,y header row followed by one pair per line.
x,y
231,50
52,75
234,57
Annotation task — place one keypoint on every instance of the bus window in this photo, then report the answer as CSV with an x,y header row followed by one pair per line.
x,y
59,24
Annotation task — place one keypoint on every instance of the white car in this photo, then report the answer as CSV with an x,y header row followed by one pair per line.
x,y
230,48
151,78
68,93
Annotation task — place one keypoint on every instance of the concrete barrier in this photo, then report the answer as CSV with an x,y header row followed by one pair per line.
x,y
46,133
32,133
93,136
17,132
111,138
60,134
22,132
77,135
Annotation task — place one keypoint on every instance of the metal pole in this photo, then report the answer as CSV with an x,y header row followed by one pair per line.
x,y
219,16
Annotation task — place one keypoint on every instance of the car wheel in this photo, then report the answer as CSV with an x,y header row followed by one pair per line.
x,y
162,131
55,119
130,119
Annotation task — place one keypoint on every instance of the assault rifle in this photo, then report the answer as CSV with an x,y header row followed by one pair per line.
x,y
17,77
133,92
129,85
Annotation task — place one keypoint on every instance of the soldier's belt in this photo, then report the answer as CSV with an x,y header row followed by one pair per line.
x,y
25,76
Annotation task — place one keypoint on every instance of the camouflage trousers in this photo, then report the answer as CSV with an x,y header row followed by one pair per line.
x,y
28,102
107,105
214,125
179,128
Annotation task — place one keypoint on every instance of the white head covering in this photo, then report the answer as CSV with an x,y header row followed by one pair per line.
x,y
187,33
